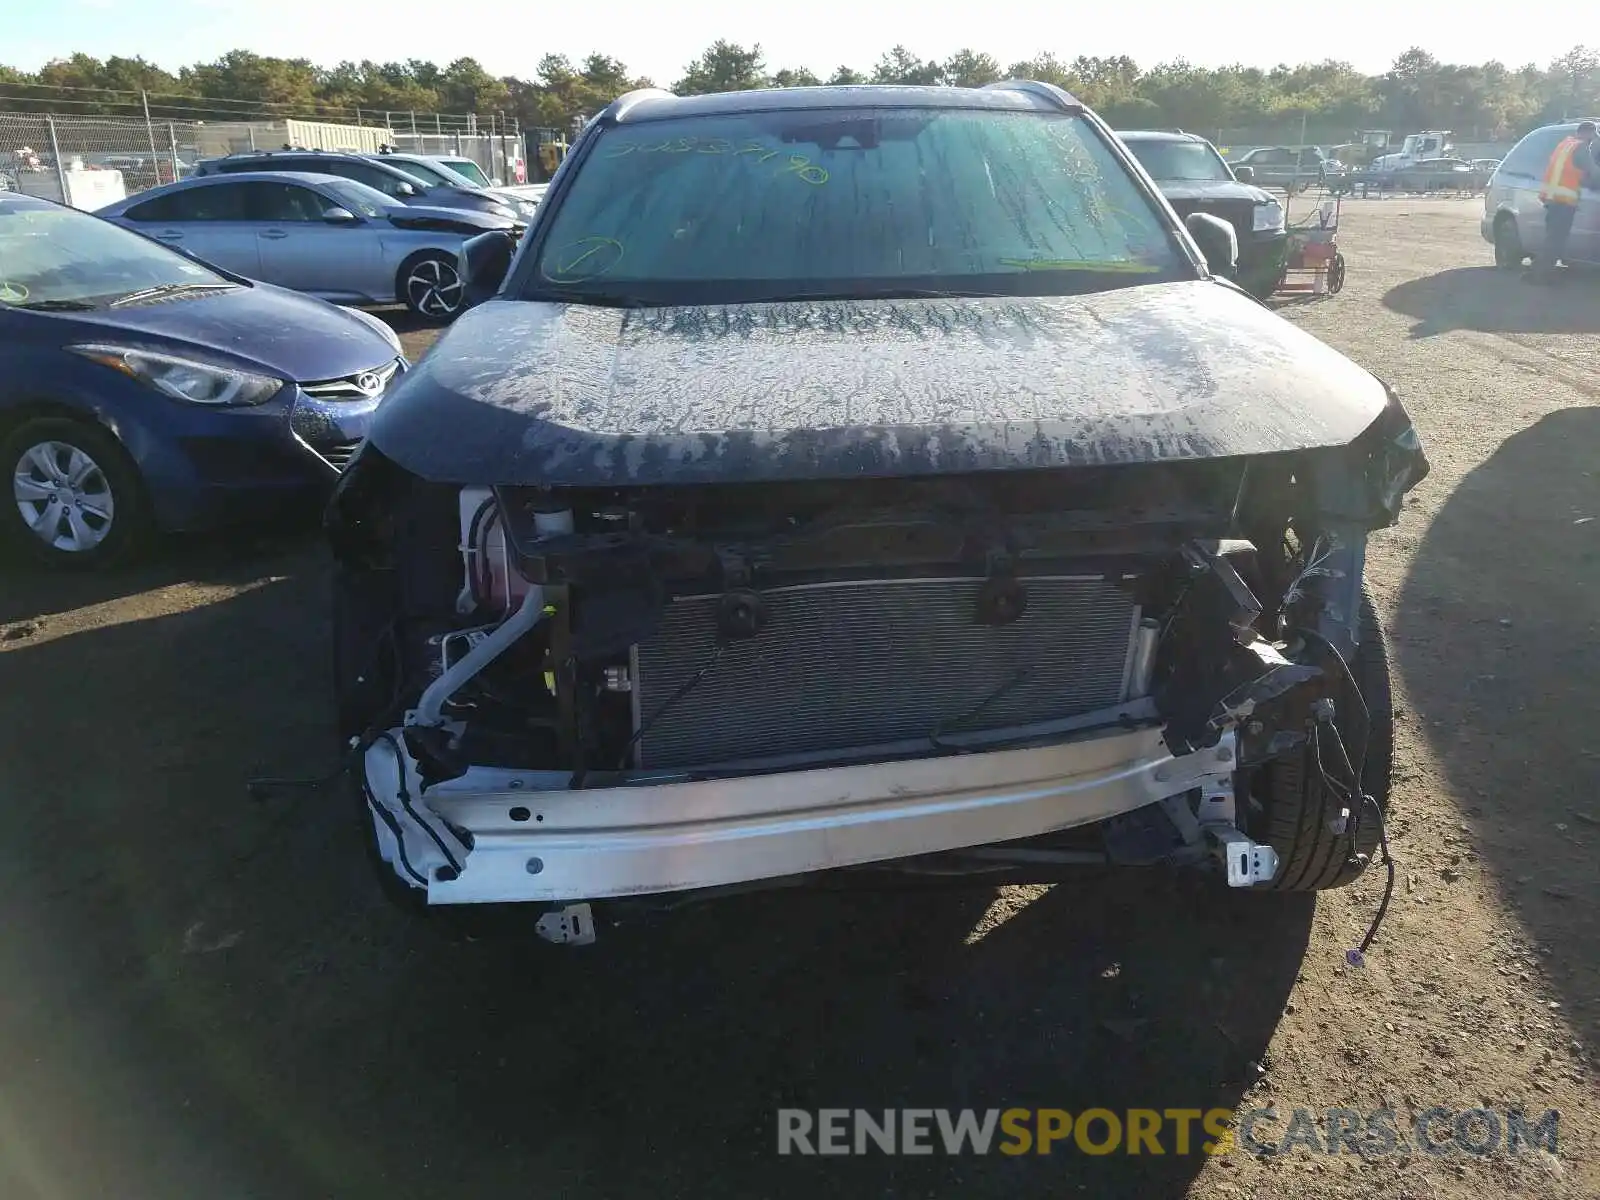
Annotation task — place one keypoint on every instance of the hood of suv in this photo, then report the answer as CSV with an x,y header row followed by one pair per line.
x,y
1230,191
448,195
520,392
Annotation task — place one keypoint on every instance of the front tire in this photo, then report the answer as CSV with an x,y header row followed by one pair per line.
x,y
1508,252
1299,809
430,284
75,498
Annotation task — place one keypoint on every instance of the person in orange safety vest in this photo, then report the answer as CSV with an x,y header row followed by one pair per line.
x,y
1570,167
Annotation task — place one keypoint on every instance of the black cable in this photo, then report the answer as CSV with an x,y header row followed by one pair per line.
x,y
1017,676
684,689
1355,688
474,527
1357,956
485,567
405,800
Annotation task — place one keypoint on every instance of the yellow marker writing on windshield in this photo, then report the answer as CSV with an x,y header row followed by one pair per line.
x,y
807,170
609,250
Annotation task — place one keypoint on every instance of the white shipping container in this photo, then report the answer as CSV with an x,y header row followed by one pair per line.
x,y
324,135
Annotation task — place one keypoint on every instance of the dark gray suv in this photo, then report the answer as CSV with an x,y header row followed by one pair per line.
x,y
1194,178
388,179
866,478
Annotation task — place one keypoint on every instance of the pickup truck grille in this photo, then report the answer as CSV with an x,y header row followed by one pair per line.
x,y
853,664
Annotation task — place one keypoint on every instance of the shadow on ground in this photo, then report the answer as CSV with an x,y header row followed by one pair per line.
x,y
220,1003
224,557
1499,646
1490,300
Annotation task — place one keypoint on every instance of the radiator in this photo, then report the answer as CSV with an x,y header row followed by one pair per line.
x,y
852,664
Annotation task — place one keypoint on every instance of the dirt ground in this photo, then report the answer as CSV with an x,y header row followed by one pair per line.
x,y
205,996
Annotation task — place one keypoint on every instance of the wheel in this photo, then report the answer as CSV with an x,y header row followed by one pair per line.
x,y
1298,808
76,497
1336,274
430,284
1508,252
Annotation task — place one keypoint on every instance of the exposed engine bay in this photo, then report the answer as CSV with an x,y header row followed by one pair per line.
x,y
564,695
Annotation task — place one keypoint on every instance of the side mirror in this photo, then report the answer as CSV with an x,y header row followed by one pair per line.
x,y
339,216
404,189
484,262
1244,172
1217,241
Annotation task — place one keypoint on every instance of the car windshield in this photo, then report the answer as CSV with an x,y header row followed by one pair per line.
x,y
60,257
360,199
1189,161
851,203
429,175
470,170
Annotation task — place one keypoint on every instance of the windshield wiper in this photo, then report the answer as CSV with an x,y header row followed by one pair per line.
x,y
57,305
170,289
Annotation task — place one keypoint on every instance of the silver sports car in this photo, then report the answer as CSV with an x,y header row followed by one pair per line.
x,y
330,237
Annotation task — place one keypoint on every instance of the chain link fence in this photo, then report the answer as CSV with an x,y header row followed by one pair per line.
x,y
38,152
71,158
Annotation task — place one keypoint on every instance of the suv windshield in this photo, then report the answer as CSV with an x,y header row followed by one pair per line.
x,y
851,203
1191,161
60,257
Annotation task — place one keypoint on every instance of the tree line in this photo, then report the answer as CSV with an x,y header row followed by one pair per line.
x,y
1489,100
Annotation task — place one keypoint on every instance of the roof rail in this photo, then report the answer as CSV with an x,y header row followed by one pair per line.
x,y
619,107
1060,97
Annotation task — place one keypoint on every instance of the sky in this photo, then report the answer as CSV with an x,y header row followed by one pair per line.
x,y
658,39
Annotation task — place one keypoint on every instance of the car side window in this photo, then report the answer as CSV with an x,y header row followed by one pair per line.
x,y
283,202
222,202
158,209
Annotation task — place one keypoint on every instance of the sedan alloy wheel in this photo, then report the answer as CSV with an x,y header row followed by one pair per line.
x,y
63,496
433,288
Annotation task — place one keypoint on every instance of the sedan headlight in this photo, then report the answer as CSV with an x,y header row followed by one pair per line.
x,y
527,208
184,378
1269,216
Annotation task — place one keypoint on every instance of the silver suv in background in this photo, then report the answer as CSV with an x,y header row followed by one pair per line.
x,y
457,172
1513,216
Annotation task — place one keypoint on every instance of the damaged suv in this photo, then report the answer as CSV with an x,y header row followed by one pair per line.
x,y
867,478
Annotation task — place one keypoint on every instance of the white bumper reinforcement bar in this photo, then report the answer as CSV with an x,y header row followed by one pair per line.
x,y
495,835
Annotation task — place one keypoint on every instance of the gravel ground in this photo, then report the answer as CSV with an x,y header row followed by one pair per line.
x,y
205,995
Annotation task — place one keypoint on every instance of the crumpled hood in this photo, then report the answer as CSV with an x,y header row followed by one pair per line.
x,y
518,392
426,216
1229,190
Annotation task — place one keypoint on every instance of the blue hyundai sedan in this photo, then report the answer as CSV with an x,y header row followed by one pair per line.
x,y
144,390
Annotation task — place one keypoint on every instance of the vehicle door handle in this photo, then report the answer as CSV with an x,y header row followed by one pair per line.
x,y
274,234
170,235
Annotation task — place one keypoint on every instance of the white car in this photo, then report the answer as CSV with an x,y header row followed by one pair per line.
x,y
464,172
